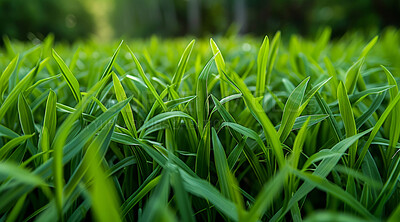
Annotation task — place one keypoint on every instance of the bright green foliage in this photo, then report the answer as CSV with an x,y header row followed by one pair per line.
x,y
291,130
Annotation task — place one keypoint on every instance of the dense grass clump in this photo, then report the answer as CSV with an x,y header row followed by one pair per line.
x,y
236,129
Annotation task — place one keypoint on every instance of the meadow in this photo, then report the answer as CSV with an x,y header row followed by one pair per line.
x,y
236,128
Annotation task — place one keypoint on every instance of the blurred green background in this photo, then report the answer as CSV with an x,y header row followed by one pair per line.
x,y
107,19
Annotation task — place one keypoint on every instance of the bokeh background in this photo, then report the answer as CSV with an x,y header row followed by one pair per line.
x,y
70,20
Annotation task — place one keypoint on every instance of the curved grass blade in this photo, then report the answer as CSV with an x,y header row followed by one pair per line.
x,y
6,148
250,156
6,75
273,52
201,94
97,147
147,81
176,80
352,75
126,112
248,133
322,170
333,189
291,110
394,118
203,154
267,194
347,115
314,119
21,175
220,63
258,112
49,125
226,179
181,196
68,76
376,129
368,47
262,61
104,198
17,90
25,116
164,117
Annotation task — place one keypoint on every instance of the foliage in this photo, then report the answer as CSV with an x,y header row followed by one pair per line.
x,y
176,129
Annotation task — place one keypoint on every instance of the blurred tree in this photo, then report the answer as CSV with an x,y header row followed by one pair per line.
x,y
66,19
202,17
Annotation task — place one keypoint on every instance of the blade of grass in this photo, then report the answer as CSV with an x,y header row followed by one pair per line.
x,y
68,76
347,115
262,61
126,112
176,80
258,112
6,75
291,110
49,125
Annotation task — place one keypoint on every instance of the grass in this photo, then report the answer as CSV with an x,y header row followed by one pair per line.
x,y
235,128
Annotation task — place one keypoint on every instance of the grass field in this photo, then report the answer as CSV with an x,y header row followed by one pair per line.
x,y
233,128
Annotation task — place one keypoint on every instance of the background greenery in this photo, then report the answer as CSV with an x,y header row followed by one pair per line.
x,y
105,19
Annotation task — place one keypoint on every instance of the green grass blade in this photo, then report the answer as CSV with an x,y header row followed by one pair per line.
x,y
17,90
226,180
273,52
352,76
21,175
104,197
322,170
220,63
164,117
6,148
97,147
147,81
347,115
49,125
261,116
335,190
250,156
262,61
201,95
112,61
69,77
292,108
25,116
126,112
248,133
176,80
376,129
182,198
267,194
6,75
394,117
203,153
368,47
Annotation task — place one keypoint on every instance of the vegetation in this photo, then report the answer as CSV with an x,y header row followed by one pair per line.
x,y
237,129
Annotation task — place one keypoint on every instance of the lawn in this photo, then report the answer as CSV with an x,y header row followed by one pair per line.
x,y
236,128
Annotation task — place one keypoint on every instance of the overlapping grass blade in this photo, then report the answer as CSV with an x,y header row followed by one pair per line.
x,y
19,88
347,115
68,76
49,125
5,75
258,112
126,112
292,108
